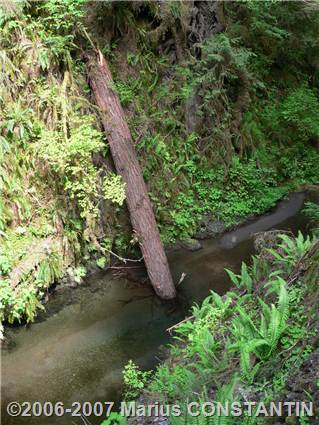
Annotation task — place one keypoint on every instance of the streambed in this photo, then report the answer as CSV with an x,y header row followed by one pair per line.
x,y
77,349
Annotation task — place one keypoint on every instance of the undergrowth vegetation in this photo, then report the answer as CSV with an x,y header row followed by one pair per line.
x,y
224,125
232,129
247,344
53,192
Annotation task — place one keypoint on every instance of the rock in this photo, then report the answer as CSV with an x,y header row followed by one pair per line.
x,y
192,119
210,228
216,227
191,244
206,18
171,247
6,344
268,239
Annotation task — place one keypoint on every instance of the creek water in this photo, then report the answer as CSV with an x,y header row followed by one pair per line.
x,y
77,349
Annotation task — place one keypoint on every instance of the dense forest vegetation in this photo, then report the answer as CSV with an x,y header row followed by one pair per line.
x,y
222,102
220,98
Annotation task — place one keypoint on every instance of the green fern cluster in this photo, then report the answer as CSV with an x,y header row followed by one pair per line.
x,y
311,210
259,339
230,343
291,250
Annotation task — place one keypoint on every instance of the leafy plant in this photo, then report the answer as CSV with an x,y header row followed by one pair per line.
x,y
134,380
114,189
242,280
79,273
262,339
311,210
172,384
292,249
101,262
115,419
296,118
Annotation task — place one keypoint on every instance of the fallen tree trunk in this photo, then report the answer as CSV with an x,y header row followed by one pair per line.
x,y
126,163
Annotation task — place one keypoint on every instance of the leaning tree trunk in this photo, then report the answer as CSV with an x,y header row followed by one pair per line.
x,y
126,163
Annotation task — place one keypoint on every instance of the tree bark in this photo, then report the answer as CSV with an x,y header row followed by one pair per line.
x,y
126,164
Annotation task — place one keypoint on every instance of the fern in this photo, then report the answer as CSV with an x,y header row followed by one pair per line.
x,y
242,280
49,270
311,210
291,250
261,338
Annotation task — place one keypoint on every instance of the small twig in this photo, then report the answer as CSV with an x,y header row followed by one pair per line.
x,y
124,267
124,259
88,37
179,323
183,275
289,348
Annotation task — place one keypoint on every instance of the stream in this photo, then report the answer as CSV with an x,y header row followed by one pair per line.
x,y
77,348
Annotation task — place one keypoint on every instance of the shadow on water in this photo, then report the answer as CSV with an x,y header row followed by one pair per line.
x,y
78,352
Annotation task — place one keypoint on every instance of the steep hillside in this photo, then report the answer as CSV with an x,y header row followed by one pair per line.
x,y
221,99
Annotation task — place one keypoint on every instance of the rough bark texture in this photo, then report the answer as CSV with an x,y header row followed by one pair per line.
x,y
126,163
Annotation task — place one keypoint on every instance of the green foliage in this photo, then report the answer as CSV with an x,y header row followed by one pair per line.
x,y
224,134
296,118
115,419
172,383
49,270
126,92
101,262
78,273
114,189
71,157
24,305
49,28
22,301
260,339
235,336
62,16
292,250
36,41
253,116
5,265
134,380
280,33
311,210
17,122
242,280
199,332
224,395
17,306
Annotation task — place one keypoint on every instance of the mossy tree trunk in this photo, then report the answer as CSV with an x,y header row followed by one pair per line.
x,y
126,163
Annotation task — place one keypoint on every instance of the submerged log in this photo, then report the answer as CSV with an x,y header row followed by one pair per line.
x,y
126,164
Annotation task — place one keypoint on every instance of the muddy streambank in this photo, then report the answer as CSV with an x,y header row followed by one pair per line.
x,y
77,349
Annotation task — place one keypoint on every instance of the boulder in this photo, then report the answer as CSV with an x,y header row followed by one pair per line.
x,y
191,244
210,228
